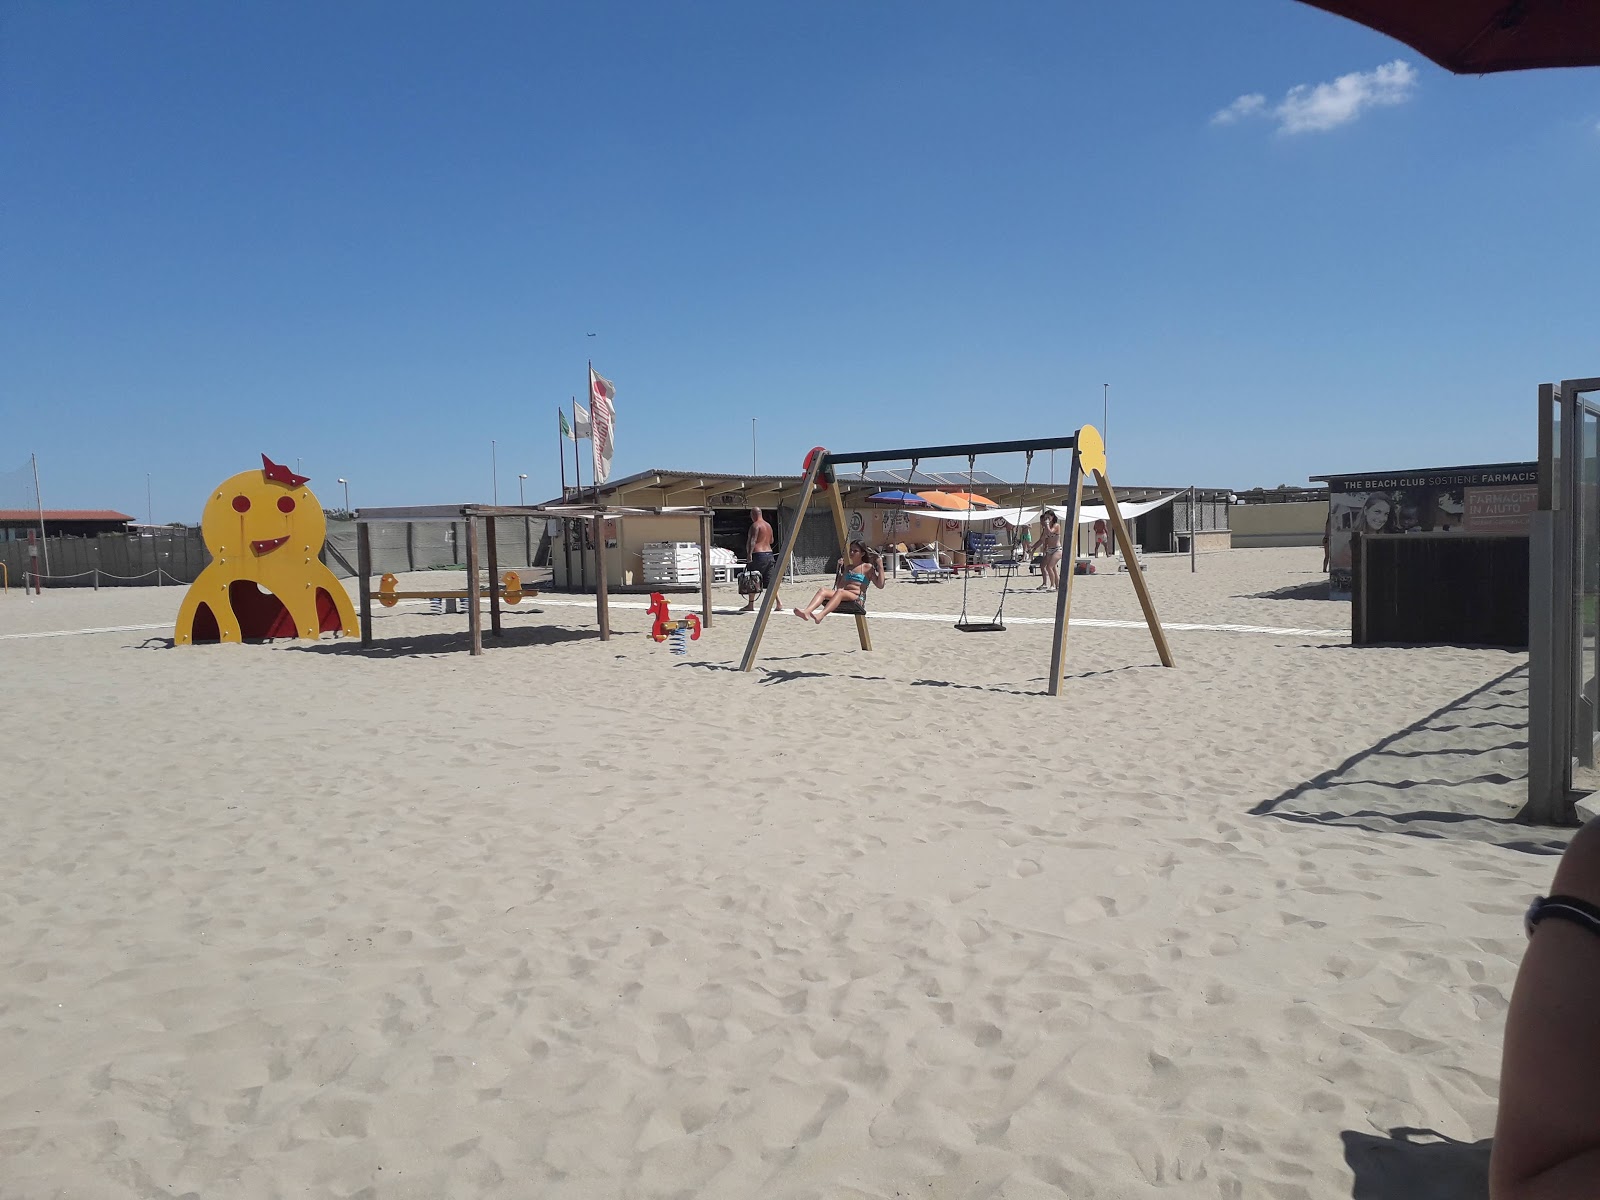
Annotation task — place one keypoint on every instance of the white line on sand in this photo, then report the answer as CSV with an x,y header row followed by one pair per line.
x,y
1082,622
9,637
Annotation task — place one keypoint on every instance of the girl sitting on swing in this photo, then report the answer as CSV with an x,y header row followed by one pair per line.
x,y
859,567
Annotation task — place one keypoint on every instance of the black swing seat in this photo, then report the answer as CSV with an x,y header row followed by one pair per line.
x,y
852,608
981,626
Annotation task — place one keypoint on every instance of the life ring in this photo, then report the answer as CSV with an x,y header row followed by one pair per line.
x,y
952,526
823,479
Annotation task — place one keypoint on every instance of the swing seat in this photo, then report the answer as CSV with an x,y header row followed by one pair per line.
x,y
978,626
852,608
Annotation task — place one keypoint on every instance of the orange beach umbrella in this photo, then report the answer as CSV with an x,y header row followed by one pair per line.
x,y
957,501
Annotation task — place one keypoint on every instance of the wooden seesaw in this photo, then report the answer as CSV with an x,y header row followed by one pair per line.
x,y
511,591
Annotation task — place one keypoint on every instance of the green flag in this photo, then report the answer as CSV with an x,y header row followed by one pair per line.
x,y
566,430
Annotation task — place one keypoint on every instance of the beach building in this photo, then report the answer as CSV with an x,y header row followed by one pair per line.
x,y
17,523
1435,554
1162,525
1280,516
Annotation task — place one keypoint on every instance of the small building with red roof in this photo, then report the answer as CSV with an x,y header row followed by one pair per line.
x,y
60,522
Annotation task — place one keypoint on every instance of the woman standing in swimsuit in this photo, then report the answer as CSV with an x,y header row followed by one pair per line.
x,y
859,567
1049,551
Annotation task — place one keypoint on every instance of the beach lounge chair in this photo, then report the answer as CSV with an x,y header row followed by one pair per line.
x,y
924,570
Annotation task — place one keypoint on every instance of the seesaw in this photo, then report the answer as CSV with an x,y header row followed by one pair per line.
x,y
389,594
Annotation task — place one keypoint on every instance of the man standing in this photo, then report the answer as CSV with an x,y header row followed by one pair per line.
x,y
758,549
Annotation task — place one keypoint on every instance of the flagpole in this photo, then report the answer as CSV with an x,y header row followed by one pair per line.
x,y
38,500
566,526
577,495
588,386
561,451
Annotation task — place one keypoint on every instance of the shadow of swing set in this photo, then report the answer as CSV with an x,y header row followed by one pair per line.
x,y
1088,455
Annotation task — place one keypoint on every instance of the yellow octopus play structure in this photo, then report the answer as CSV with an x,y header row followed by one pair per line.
x,y
264,530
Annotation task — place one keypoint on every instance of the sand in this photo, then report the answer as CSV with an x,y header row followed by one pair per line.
x,y
579,919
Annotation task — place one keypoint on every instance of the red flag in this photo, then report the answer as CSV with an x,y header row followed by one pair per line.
x,y
603,414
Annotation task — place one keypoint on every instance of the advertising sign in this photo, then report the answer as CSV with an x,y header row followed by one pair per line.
x,y
1492,499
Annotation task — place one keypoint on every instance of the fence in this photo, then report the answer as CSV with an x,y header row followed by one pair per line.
x,y
112,559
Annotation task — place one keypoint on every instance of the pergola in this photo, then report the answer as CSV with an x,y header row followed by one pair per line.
x,y
472,514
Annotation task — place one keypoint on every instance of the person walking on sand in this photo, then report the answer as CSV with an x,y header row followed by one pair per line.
x,y
758,549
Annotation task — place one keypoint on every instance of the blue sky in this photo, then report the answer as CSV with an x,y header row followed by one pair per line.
x,y
375,236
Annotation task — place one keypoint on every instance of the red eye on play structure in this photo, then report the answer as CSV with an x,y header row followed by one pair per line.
x,y
241,504
286,504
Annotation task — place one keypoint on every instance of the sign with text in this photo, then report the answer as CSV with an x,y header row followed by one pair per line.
x,y
1501,509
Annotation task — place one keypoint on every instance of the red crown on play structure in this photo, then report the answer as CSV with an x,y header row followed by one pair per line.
x,y
280,474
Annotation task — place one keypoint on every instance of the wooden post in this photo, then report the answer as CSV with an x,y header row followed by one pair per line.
x,y
364,577
705,572
1130,558
837,504
602,598
474,616
494,577
807,486
1069,565
411,547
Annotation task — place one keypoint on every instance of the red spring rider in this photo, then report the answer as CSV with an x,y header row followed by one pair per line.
x,y
664,625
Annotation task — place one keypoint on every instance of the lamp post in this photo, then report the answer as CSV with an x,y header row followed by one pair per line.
x,y
346,484
521,499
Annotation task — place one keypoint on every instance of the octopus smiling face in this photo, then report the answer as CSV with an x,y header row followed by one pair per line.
x,y
263,511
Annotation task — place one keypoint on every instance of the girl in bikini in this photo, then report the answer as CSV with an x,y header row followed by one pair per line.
x,y
859,567
1049,551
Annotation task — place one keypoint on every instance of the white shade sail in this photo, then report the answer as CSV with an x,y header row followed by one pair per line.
x,y
1029,516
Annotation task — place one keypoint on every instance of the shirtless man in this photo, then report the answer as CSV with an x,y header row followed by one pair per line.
x,y
758,549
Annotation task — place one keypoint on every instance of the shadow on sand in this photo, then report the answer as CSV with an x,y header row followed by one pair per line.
x,y
1416,1164
454,642
1317,589
1457,773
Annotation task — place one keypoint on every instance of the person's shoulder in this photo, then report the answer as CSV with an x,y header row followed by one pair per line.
x,y
1579,872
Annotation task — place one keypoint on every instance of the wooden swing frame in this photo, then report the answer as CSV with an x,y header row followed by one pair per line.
x,y
1088,455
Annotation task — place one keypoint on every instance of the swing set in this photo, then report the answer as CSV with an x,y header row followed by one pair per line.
x,y
1088,455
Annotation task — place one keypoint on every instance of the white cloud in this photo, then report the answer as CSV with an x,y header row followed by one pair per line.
x,y
1308,108
1244,106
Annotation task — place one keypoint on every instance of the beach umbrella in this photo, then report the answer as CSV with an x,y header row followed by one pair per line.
x,y
1477,37
956,501
973,500
899,499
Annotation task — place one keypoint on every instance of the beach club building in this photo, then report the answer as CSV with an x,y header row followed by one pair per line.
x,y
1162,523
1434,554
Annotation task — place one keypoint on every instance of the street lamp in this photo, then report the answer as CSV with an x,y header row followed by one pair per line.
x,y
346,483
521,499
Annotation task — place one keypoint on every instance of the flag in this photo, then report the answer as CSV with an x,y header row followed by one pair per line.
x,y
585,426
601,396
566,430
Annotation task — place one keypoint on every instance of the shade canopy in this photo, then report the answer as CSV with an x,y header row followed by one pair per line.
x,y
898,498
1477,37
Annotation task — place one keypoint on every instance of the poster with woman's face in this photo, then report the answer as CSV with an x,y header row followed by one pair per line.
x,y
1390,510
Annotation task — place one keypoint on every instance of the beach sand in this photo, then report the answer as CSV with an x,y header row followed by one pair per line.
x,y
584,919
